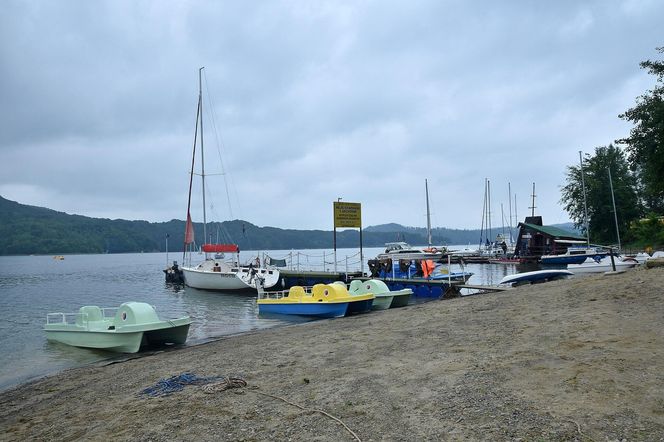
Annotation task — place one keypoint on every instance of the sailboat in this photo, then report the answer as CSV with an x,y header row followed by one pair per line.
x,y
214,273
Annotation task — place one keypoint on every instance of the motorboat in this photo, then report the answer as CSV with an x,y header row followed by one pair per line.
x,y
406,268
403,250
121,329
385,298
535,276
321,300
574,255
591,265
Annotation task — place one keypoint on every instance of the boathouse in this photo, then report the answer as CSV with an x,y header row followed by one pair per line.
x,y
535,240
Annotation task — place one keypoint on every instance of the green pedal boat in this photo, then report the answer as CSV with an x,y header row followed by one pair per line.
x,y
123,329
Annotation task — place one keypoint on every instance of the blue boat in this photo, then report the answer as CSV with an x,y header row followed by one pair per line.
x,y
415,269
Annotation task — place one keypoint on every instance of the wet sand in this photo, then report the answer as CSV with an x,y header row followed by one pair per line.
x,y
579,359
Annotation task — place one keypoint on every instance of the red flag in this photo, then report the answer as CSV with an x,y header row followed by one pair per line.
x,y
189,231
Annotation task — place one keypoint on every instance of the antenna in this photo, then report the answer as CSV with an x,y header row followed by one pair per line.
x,y
533,207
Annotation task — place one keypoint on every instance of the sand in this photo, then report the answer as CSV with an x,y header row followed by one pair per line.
x,y
580,359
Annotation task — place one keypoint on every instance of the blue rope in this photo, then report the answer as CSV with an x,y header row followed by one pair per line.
x,y
165,387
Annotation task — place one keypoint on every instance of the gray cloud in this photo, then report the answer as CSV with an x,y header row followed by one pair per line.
x,y
311,102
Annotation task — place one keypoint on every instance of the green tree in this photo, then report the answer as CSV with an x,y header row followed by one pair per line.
x,y
645,143
601,218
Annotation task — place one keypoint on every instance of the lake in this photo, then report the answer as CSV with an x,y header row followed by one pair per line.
x,y
32,286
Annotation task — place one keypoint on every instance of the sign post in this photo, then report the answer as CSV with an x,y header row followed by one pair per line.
x,y
347,215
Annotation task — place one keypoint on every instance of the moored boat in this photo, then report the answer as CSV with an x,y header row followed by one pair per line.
x,y
591,265
214,273
573,255
384,297
321,300
123,329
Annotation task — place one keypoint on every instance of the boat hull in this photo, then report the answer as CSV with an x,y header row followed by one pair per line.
x,y
117,342
317,309
603,266
535,276
227,281
359,306
382,302
400,298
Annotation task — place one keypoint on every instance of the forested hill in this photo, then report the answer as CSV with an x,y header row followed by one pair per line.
x,y
27,230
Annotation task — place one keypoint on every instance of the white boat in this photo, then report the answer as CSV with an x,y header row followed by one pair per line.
x,y
214,273
591,265
403,250
535,276
576,253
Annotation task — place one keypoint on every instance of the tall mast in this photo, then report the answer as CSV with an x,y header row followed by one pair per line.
x,y
488,212
426,187
509,198
200,103
189,229
585,204
483,217
532,213
615,214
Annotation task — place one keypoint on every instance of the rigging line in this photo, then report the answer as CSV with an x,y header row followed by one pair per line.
x,y
213,117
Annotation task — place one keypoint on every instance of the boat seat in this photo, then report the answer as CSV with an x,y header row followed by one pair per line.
x,y
89,313
296,292
355,286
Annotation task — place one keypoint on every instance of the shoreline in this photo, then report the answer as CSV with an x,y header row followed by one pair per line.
x,y
577,359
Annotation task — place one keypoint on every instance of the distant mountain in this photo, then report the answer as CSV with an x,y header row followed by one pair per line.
x,y
27,230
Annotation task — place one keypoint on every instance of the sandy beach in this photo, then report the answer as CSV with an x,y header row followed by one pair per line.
x,y
579,359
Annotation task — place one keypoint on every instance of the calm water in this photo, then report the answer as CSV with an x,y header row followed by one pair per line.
x,y
32,286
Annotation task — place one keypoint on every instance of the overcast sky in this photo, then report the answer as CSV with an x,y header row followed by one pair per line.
x,y
311,102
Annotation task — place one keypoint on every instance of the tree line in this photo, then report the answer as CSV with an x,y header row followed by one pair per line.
x,y
633,167
29,230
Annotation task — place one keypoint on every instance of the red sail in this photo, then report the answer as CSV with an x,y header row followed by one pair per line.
x,y
189,231
221,248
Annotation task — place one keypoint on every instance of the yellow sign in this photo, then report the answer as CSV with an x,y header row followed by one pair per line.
x,y
347,215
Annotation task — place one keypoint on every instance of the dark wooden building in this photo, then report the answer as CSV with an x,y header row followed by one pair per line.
x,y
535,240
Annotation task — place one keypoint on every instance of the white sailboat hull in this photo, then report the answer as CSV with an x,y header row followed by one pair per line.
x,y
204,276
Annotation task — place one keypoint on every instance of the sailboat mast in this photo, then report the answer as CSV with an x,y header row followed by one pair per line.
x,y
488,211
189,228
200,103
426,187
585,203
615,214
479,247
509,199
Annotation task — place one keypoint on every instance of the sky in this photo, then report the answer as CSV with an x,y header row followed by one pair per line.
x,y
308,102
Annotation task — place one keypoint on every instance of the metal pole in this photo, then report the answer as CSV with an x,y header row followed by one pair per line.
x,y
585,203
200,101
615,214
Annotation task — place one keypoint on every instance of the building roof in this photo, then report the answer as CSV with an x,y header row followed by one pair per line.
x,y
552,231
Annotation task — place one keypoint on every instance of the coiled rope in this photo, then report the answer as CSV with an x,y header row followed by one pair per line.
x,y
215,384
